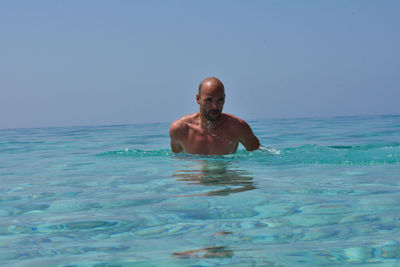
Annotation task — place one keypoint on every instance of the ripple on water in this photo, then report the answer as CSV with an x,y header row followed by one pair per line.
x,y
31,207
9,198
62,206
23,229
10,255
83,225
5,212
190,206
89,229
77,250
377,253
124,203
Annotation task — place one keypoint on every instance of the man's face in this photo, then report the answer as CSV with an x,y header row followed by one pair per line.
x,y
211,101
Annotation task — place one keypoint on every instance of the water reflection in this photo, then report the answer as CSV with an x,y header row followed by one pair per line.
x,y
216,173
208,252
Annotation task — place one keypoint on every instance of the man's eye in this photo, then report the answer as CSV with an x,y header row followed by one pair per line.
x,y
208,99
221,99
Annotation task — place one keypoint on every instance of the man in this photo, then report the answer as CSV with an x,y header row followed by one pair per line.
x,y
209,131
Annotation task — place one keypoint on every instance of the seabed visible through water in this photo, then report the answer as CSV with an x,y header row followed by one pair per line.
x,y
326,192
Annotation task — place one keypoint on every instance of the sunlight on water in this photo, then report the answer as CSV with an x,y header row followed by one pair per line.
x,y
320,192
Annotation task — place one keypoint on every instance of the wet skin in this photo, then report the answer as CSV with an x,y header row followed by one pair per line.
x,y
209,131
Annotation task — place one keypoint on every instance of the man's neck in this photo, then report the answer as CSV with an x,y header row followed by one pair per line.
x,y
208,125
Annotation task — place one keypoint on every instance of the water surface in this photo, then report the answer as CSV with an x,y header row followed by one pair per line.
x,y
327,194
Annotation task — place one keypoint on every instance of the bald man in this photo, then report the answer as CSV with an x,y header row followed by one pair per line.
x,y
209,131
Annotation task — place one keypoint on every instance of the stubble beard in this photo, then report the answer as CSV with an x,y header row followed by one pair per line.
x,y
208,117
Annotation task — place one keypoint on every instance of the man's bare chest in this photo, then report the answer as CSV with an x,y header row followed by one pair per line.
x,y
217,142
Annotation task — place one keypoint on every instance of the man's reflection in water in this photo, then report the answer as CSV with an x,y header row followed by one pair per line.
x,y
216,173
208,252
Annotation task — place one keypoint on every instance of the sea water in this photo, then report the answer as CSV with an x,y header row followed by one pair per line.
x,y
321,192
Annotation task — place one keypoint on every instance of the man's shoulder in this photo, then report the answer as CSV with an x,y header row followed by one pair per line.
x,y
244,132
240,126
182,124
235,121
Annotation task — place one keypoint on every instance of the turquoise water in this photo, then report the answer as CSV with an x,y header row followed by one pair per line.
x,y
325,193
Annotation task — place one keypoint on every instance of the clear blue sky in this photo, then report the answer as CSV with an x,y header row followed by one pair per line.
x,y
119,62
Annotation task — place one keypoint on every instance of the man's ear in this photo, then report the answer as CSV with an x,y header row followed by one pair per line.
x,y
198,99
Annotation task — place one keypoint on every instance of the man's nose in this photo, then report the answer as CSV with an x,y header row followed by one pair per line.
x,y
214,105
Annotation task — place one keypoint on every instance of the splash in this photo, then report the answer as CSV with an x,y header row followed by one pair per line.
x,y
271,150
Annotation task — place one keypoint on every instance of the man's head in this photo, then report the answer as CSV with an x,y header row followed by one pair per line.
x,y
211,98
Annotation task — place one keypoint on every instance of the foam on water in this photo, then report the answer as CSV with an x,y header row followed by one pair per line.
x,y
307,154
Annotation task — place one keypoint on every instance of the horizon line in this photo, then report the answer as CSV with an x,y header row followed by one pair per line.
x,y
163,122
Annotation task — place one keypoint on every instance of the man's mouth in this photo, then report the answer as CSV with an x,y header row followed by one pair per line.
x,y
212,115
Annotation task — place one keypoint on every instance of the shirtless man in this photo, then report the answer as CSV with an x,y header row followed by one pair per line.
x,y
209,131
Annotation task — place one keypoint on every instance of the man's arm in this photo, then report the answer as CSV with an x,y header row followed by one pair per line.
x,y
176,147
247,137
174,133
